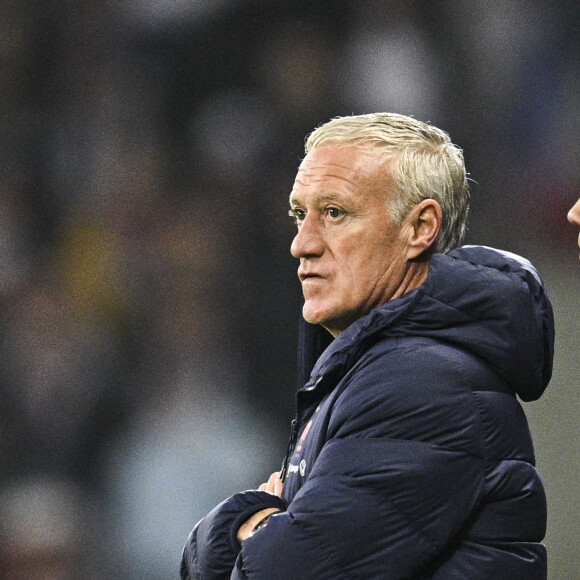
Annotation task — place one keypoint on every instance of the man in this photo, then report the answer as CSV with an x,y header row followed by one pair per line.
x,y
574,216
410,456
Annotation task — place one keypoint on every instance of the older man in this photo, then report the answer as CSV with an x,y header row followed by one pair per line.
x,y
410,455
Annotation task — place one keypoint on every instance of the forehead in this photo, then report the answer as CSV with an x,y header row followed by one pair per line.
x,y
339,169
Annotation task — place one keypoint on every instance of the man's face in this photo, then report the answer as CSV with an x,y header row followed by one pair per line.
x,y
574,217
352,255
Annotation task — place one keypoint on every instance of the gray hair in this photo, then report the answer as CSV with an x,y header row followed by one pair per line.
x,y
425,164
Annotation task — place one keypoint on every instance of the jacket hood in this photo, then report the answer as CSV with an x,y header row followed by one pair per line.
x,y
490,303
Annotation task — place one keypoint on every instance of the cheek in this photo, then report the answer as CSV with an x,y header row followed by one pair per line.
x,y
368,261
365,257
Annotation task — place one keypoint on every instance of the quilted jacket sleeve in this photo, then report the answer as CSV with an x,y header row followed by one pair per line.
x,y
212,546
396,479
365,504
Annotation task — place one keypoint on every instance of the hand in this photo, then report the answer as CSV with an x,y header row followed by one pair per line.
x,y
274,484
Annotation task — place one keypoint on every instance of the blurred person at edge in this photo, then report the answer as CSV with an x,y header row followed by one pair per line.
x,y
410,455
574,216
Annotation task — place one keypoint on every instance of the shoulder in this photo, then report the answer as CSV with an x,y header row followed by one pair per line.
x,y
414,388
414,366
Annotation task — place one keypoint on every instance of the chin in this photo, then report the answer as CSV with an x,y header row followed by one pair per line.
x,y
315,315
311,317
326,319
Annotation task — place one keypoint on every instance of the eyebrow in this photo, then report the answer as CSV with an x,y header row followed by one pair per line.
x,y
320,199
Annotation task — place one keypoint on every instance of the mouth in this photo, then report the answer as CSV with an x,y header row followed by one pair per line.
x,y
304,276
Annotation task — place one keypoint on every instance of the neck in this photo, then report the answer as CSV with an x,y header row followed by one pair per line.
x,y
414,276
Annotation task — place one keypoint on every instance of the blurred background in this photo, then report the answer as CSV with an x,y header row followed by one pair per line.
x,y
148,300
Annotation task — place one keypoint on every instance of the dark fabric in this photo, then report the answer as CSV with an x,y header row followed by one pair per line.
x,y
215,556
412,456
312,342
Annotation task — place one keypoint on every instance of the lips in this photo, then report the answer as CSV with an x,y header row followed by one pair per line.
x,y
308,275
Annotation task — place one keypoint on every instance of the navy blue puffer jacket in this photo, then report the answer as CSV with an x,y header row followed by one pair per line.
x,y
411,456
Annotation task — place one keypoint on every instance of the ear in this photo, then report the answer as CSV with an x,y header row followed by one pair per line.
x,y
424,224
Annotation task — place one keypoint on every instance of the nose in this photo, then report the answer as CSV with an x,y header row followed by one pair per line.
x,y
574,214
309,241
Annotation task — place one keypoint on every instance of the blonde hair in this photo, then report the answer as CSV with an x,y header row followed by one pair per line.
x,y
424,164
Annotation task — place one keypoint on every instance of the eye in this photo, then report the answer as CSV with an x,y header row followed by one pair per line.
x,y
298,215
334,213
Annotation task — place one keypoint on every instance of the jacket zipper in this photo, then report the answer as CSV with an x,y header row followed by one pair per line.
x,y
290,448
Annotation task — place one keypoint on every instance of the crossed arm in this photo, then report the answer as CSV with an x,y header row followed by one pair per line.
x,y
274,485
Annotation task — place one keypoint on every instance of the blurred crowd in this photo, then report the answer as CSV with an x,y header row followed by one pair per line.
x,y
148,301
